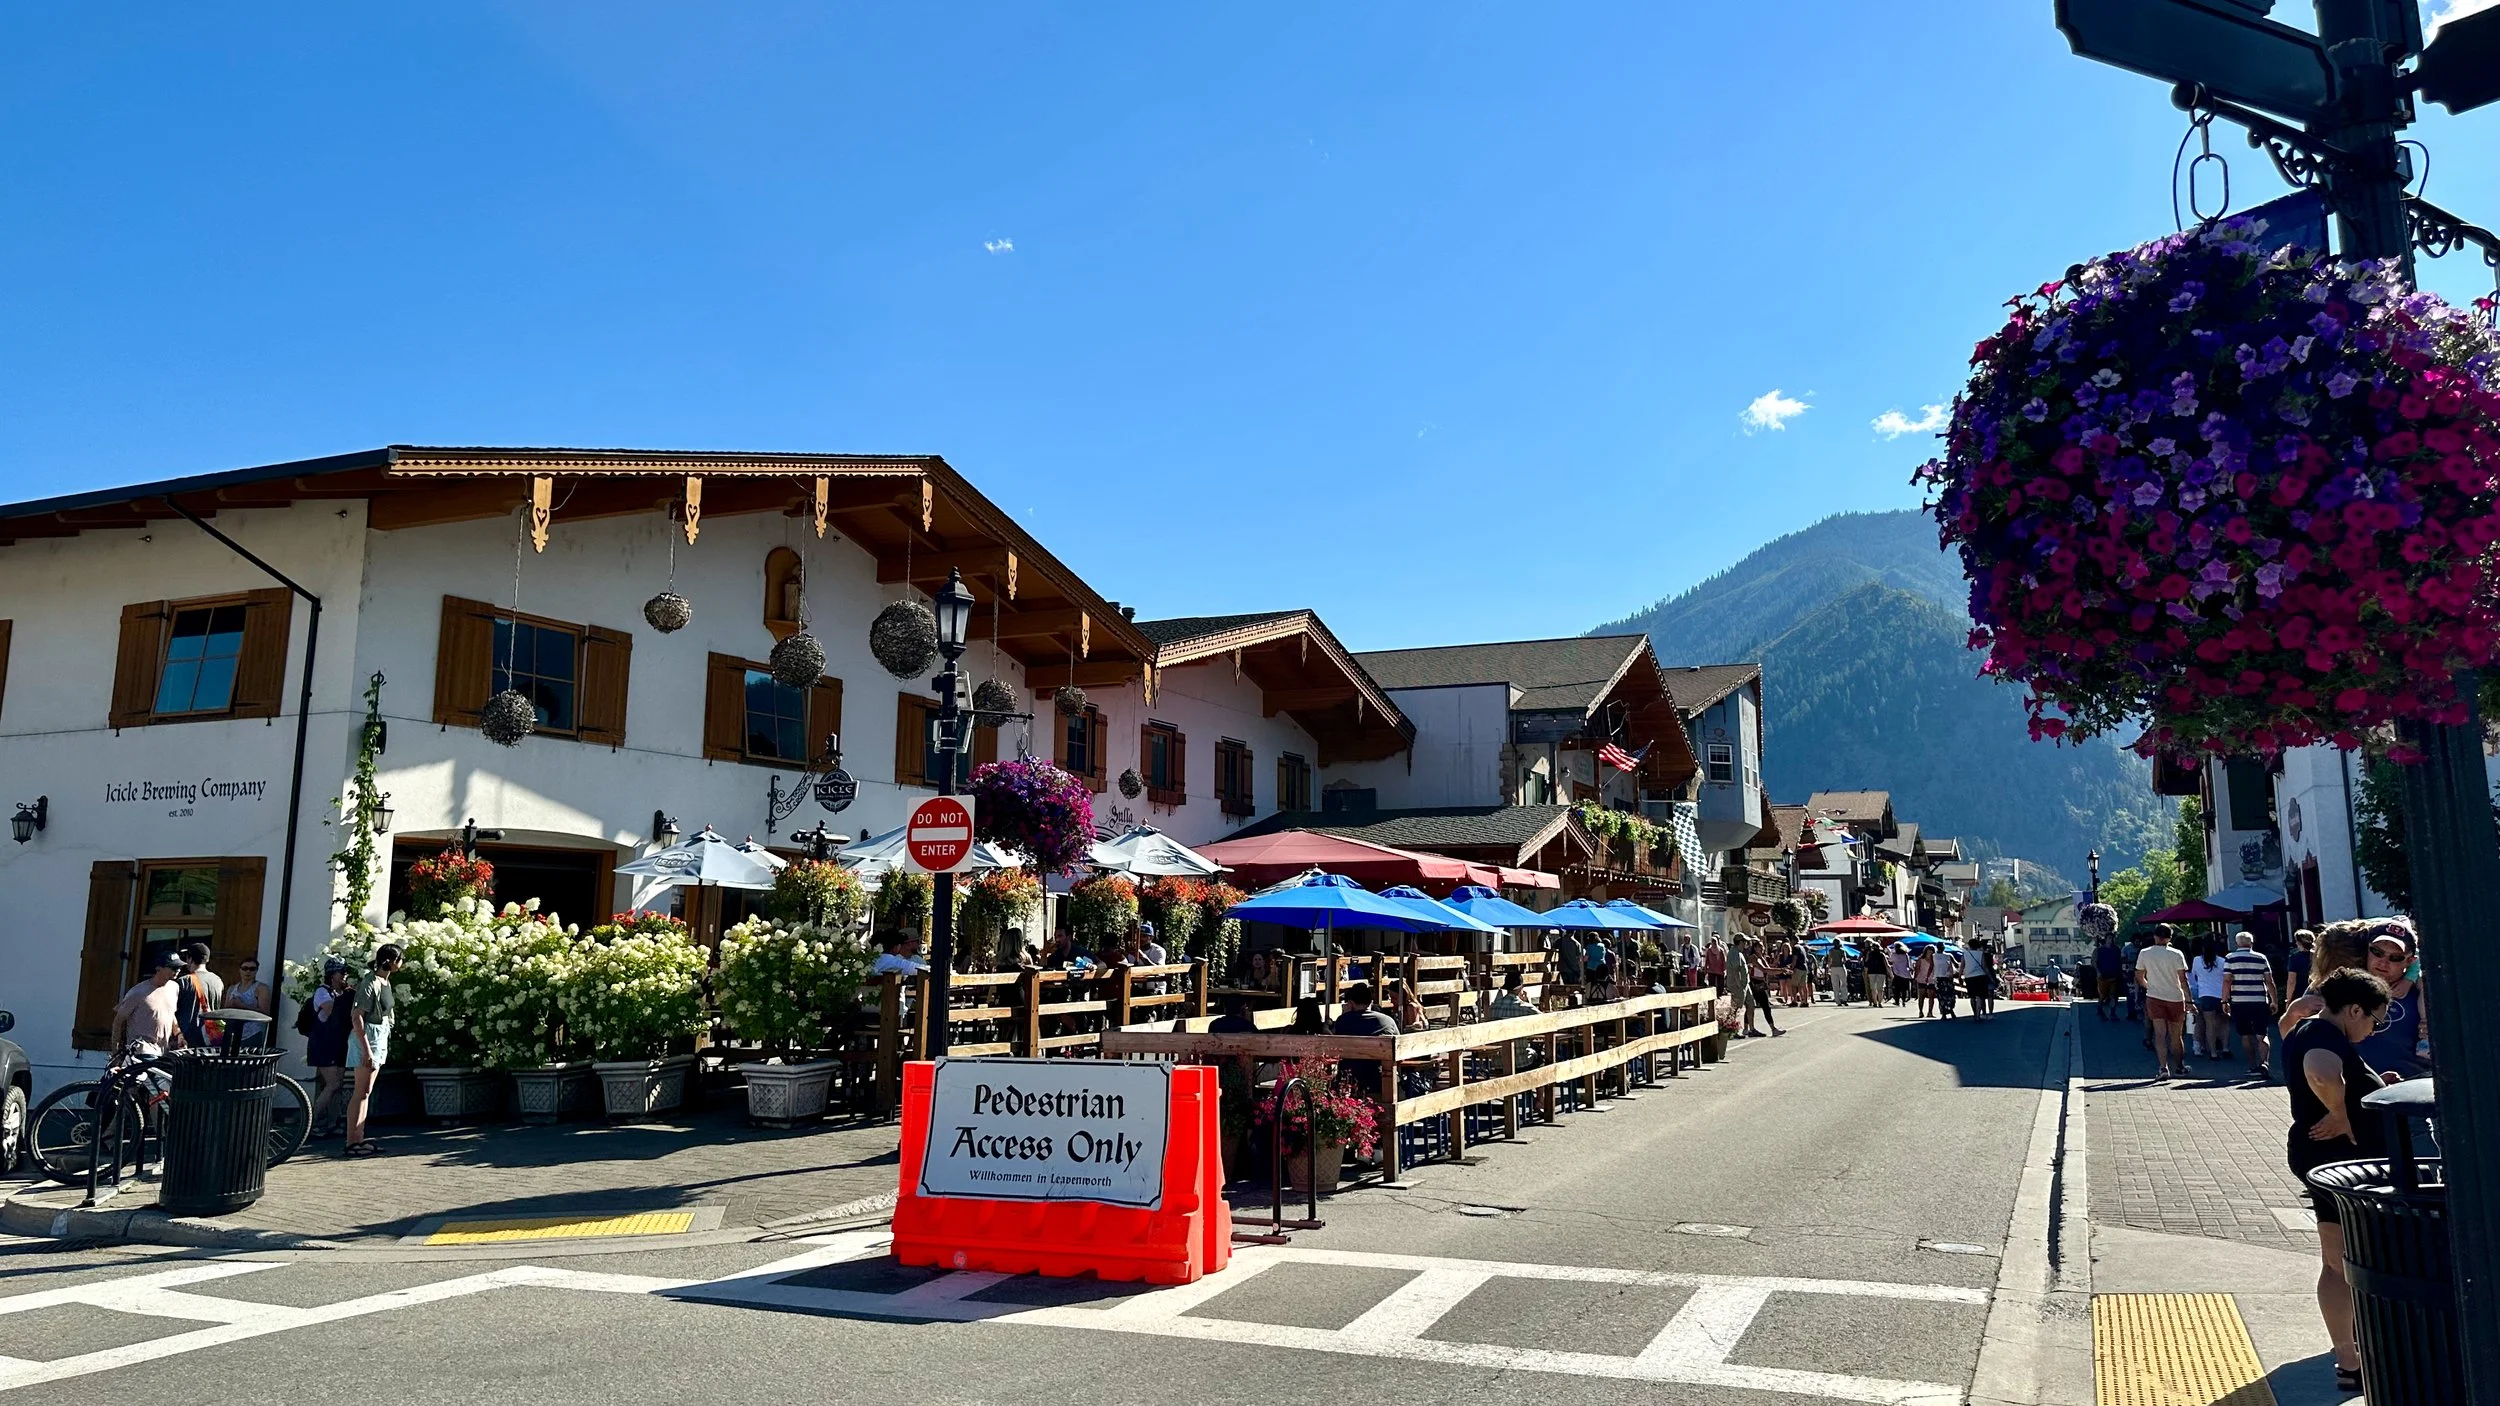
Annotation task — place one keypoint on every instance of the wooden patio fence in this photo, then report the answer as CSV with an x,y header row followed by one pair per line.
x,y
1614,1044
1023,1013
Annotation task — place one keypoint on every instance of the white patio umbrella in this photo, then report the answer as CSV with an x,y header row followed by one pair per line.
x,y
877,855
757,852
2245,897
705,859
1148,852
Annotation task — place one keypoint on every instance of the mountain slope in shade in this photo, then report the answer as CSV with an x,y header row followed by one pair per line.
x,y
1860,625
1732,615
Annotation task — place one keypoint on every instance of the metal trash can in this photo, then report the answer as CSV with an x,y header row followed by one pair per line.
x,y
2396,1259
216,1146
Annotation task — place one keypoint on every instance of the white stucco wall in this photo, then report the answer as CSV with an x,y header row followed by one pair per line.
x,y
1459,736
1207,704
65,597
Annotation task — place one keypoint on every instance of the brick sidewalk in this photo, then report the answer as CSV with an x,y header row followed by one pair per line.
x,y
2200,1156
709,1157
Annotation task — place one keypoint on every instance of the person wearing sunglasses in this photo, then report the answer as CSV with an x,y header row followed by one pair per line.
x,y
2401,1044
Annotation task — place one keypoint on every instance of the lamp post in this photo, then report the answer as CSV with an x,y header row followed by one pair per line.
x,y
2092,890
30,818
470,835
953,607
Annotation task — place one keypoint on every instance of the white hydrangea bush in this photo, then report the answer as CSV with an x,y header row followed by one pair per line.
x,y
778,985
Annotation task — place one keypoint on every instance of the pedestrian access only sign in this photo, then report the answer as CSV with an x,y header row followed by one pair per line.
x,y
938,837
1048,1130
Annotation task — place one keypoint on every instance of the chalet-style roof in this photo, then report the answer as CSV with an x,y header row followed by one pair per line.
x,y
1517,832
1788,823
1576,674
1698,686
1851,807
1942,848
915,514
1301,671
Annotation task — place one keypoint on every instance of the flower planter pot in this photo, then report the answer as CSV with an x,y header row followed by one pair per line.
x,y
1714,1047
1331,1167
461,1095
785,1095
552,1093
638,1088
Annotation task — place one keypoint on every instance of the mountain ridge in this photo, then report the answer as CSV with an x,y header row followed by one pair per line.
x,y
1860,624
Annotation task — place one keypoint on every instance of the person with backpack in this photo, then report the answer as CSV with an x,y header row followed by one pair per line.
x,y
197,992
323,1021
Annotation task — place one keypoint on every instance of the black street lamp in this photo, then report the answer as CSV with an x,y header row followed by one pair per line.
x,y
30,818
380,814
664,831
2094,888
820,842
470,835
953,607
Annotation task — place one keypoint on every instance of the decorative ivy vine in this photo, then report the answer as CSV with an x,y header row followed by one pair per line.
x,y
355,859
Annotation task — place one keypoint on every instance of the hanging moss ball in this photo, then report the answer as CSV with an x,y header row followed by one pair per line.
x,y
668,612
1131,784
992,702
1069,698
798,661
508,717
904,638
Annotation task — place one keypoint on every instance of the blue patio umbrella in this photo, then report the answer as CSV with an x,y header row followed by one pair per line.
x,y
1582,914
1477,901
1425,904
1322,901
1650,916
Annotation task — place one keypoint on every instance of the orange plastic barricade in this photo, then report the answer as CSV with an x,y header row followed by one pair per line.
x,y
1185,1234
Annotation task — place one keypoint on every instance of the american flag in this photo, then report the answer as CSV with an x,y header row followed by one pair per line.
x,y
1620,759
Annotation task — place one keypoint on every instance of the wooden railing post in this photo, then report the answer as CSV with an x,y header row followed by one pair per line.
x,y
1031,986
1199,980
889,1044
1127,988
1458,1115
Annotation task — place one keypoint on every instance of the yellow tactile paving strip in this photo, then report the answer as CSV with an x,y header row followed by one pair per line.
x,y
488,1232
2174,1350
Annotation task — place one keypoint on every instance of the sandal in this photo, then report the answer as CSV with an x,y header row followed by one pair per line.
x,y
367,1148
2348,1379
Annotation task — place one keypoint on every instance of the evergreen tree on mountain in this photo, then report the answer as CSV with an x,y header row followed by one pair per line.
x,y
1860,624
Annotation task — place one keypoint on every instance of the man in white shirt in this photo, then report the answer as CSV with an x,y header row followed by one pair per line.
x,y
2161,973
1979,980
901,956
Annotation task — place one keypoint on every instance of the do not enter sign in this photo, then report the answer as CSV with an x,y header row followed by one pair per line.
x,y
938,837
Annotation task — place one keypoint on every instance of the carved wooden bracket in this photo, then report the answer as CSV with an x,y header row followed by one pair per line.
x,y
1011,576
824,496
1084,635
928,505
694,507
542,508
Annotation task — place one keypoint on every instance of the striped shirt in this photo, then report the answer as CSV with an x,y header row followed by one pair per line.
x,y
2247,969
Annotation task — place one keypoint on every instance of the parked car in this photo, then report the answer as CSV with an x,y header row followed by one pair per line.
x,y
17,1088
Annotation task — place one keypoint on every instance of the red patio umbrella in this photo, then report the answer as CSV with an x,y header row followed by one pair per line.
x,y
2194,910
1863,925
1266,859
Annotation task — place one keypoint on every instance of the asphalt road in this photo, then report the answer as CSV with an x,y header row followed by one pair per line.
x,y
1764,1231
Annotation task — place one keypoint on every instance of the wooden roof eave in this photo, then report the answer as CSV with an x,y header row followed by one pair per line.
x,y
1377,712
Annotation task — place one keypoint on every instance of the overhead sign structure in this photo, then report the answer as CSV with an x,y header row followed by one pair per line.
x,y
2228,46
835,790
938,837
1048,1130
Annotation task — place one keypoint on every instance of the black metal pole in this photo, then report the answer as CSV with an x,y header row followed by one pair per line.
x,y
2452,846
942,898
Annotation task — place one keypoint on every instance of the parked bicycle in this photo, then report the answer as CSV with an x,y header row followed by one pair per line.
x,y
106,1124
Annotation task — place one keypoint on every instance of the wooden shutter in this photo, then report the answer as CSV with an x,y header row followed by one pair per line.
x,y
135,668
824,719
260,674
1180,764
1099,736
984,743
237,933
104,958
724,708
911,732
607,664
1058,732
4,664
464,661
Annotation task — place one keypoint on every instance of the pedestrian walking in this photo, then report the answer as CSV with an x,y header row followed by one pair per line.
x,y
1923,976
2252,1000
2210,989
1948,981
2127,954
2109,976
323,1021
2161,974
1758,972
1979,978
369,1043
1714,964
1898,961
147,1012
2296,966
198,991
1836,972
250,993
2329,1077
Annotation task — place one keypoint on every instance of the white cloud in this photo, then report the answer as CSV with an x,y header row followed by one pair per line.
x,y
2438,12
1772,411
999,246
1892,424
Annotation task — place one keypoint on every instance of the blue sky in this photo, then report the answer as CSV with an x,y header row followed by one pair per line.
x,y
1444,319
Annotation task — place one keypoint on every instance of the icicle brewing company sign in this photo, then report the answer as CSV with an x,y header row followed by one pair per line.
x,y
1048,1130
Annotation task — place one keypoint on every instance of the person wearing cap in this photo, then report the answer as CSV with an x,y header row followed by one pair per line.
x,y
199,991
323,1022
2401,1044
1153,950
146,1015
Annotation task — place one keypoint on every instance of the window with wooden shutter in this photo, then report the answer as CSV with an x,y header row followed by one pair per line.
x,y
5,632
824,720
236,934
104,958
1232,777
142,650
1163,757
1293,782
984,745
463,661
260,670
724,708
202,659
607,664
911,740
1100,729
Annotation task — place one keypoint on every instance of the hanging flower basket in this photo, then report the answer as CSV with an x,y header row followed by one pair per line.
x,y
798,661
2098,921
904,637
1069,699
1131,784
2243,494
992,702
1100,912
508,717
1031,805
668,612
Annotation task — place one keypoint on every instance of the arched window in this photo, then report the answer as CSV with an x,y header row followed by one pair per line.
x,y
782,582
